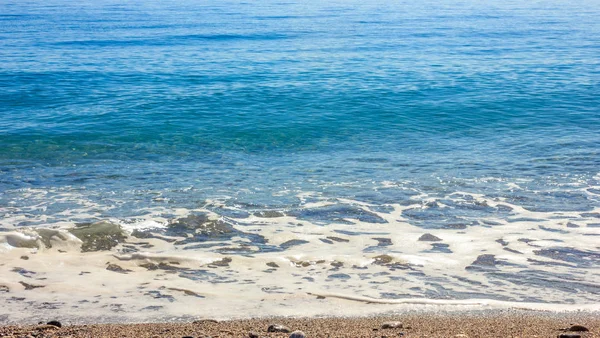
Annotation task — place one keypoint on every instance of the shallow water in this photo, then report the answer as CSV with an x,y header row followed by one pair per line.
x,y
280,150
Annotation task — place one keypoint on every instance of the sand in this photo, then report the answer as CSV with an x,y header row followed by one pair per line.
x,y
504,323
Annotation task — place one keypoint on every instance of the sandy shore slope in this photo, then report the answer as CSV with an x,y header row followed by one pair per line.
x,y
490,324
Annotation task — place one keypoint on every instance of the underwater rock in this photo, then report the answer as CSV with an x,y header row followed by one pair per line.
x,y
98,236
269,214
292,242
31,286
116,268
429,238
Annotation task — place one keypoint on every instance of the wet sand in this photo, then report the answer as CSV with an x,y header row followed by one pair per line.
x,y
511,323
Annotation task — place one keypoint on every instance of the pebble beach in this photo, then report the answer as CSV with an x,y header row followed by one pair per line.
x,y
491,324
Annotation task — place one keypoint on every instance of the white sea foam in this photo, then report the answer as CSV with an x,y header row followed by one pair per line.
x,y
169,265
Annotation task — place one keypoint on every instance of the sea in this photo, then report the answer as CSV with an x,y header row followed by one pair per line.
x,y
170,160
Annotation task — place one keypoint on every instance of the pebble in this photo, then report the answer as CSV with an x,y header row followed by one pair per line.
x,y
578,328
252,335
297,334
55,323
569,335
46,327
278,328
391,325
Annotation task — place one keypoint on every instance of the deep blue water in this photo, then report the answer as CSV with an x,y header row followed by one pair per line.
x,y
255,102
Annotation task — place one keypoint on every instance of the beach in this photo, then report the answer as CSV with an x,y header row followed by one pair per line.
x,y
511,323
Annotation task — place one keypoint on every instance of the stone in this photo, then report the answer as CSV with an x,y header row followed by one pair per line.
x,y
297,334
429,238
55,323
100,236
391,325
31,286
46,327
278,328
204,321
578,328
252,335
383,259
569,335
116,268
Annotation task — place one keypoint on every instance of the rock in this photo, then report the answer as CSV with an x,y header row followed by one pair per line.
x,y
578,328
223,262
297,334
272,265
31,286
429,238
269,214
391,325
98,236
278,328
569,335
204,321
55,323
25,258
252,335
46,327
116,268
383,259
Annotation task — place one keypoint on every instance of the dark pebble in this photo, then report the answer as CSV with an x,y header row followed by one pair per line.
x,y
297,334
578,328
55,323
391,325
278,328
252,335
569,335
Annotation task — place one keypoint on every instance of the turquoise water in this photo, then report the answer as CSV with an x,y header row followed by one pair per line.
x,y
109,110
273,95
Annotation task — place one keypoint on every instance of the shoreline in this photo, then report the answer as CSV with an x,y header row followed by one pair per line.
x,y
487,323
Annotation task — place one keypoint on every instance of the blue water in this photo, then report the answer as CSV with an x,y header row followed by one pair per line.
x,y
253,103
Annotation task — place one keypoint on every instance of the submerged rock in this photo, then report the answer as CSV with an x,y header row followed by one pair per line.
x,y
485,261
429,238
98,236
292,242
31,286
116,268
269,214
383,259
